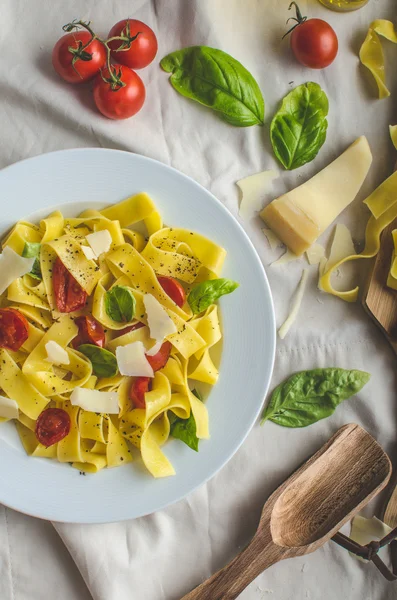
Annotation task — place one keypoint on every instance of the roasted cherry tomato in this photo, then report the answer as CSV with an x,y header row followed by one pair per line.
x,y
140,47
129,328
159,360
90,332
173,289
52,426
14,329
313,41
75,64
119,101
138,389
69,295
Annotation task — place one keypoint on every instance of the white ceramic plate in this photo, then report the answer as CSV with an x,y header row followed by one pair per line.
x,y
73,180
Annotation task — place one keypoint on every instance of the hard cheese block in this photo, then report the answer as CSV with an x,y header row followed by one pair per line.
x,y
299,217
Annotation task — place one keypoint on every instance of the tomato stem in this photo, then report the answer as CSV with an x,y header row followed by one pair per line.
x,y
298,18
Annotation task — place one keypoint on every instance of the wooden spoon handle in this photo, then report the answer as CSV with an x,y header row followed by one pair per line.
x,y
229,582
390,516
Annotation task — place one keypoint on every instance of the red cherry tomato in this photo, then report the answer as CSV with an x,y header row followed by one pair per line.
x,y
138,389
69,295
141,48
119,102
129,328
72,62
90,332
14,329
159,360
52,426
173,289
313,41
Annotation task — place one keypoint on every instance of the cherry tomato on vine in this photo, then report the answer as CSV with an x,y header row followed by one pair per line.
x,y
138,389
140,47
90,332
173,289
69,295
74,61
121,99
14,329
52,426
313,41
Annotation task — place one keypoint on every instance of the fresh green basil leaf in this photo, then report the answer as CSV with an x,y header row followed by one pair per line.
x,y
308,396
30,250
185,429
206,293
299,128
215,79
104,363
120,304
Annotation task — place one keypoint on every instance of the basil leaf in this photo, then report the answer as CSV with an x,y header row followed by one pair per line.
x,y
206,293
30,250
309,396
299,128
185,429
120,304
215,79
104,363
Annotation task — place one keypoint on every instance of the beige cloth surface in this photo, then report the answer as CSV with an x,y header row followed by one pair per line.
x,y
162,556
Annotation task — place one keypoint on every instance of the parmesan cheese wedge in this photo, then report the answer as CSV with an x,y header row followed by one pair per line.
x,y
56,354
95,401
99,241
296,304
8,408
160,324
89,253
13,266
132,361
299,217
253,189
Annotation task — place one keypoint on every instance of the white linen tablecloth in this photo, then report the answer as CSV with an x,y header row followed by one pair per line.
x,y
162,556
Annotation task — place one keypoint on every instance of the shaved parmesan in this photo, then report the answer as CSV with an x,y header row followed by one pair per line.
x,y
253,189
100,241
315,253
285,327
89,253
273,240
95,401
56,354
8,408
363,531
342,246
155,348
132,361
160,324
285,258
13,266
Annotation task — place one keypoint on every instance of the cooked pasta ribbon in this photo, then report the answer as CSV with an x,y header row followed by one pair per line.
x,y
372,55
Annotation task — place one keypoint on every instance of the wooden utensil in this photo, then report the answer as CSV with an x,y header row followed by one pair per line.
x,y
380,302
307,509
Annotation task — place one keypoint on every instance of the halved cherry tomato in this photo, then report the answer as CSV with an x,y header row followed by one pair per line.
x,y
173,289
75,64
138,389
123,101
159,360
69,295
141,48
14,329
52,426
90,332
129,328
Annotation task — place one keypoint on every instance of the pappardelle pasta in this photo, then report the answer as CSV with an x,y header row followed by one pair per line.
x,y
104,334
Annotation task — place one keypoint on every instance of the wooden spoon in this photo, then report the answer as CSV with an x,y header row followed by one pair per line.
x,y
380,302
307,509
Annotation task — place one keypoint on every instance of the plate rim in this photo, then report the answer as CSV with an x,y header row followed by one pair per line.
x,y
271,339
